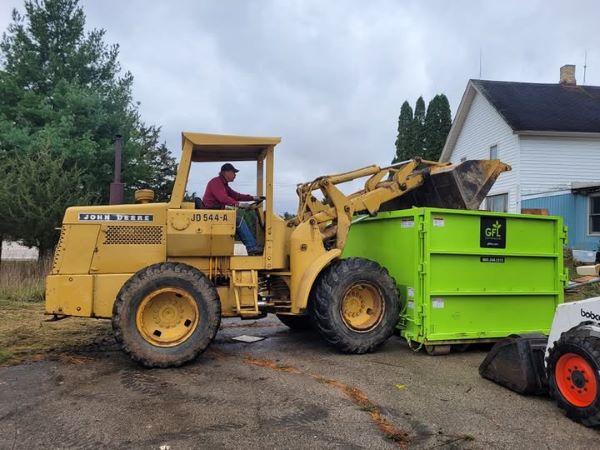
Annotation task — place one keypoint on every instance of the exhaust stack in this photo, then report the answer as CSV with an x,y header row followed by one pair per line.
x,y
116,187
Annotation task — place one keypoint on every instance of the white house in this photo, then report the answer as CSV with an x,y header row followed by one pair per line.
x,y
549,134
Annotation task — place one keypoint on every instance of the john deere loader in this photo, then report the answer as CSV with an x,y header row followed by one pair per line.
x,y
165,273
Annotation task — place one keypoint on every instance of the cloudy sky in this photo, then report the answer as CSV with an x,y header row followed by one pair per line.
x,y
328,77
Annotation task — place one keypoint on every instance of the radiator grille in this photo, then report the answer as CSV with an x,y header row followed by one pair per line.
x,y
133,235
58,251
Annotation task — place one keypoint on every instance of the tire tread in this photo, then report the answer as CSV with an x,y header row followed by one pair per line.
x,y
326,290
587,341
148,276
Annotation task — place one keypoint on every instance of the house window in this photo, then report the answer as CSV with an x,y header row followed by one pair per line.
x,y
595,214
494,152
499,203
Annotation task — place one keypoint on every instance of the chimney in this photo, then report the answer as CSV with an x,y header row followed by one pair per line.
x,y
567,75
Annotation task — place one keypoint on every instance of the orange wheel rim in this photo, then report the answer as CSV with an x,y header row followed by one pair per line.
x,y
576,380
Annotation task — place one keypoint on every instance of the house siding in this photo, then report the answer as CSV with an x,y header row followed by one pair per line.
x,y
484,127
574,209
553,163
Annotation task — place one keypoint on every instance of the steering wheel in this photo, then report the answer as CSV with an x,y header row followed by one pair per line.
x,y
253,205
256,204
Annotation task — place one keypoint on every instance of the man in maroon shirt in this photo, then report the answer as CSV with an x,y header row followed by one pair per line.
x,y
218,195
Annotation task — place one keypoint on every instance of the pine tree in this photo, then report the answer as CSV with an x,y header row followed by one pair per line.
x,y
418,127
404,139
423,134
62,91
41,186
437,126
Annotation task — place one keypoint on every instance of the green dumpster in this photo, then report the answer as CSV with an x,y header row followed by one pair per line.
x,y
467,276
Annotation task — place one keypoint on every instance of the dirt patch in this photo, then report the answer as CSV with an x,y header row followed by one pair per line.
x,y
583,292
270,364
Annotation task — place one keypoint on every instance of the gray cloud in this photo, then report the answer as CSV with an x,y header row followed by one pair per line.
x,y
329,77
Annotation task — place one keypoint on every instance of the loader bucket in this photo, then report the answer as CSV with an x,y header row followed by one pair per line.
x,y
462,186
517,363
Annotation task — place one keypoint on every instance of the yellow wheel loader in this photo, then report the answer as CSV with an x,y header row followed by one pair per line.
x,y
165,273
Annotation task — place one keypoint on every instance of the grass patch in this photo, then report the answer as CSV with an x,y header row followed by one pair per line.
x,y
22,281
25,334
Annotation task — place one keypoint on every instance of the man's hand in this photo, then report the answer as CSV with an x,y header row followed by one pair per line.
x,y
258,198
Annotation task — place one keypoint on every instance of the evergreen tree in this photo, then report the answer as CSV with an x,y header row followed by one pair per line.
x,y
418,129
437,126
423,134
41,186
62,92
404,139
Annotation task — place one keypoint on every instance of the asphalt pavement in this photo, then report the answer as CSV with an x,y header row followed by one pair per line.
x,y
288,391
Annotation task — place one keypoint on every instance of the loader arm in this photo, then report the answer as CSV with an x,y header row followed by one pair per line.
x,y
442,185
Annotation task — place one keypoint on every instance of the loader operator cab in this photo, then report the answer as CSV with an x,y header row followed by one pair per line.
x,y
211,232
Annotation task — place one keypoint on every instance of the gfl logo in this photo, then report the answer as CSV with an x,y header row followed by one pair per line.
x,y
590,315
493,231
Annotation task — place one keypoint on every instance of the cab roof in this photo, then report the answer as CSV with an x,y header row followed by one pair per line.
x,y
220,147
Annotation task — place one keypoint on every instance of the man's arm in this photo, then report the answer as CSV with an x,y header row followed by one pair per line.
x,y
237,196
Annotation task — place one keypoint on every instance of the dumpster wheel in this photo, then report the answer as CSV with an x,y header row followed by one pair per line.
x,y
166,315
437,350
573,365
355,305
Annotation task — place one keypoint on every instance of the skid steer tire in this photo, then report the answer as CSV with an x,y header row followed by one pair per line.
x,y
355,305
295,323
166,315
573,366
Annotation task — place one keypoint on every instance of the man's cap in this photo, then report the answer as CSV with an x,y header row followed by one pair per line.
x,y
228,166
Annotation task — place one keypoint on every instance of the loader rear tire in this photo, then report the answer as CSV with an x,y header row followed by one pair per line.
x,y
356,306
573,366
296,323
166,315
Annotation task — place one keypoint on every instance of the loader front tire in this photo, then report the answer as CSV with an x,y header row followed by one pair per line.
x,y
356,306
573,366
166,315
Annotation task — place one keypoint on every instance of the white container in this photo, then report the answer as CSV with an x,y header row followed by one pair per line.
x,y
584,256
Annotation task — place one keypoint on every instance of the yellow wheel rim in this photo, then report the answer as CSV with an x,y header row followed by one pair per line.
x,y
167,317
362,307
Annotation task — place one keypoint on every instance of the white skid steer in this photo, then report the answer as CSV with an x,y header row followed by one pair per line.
x,y
565,364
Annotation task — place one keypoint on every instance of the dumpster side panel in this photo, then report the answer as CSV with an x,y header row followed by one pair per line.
x,y
490,275
467,275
